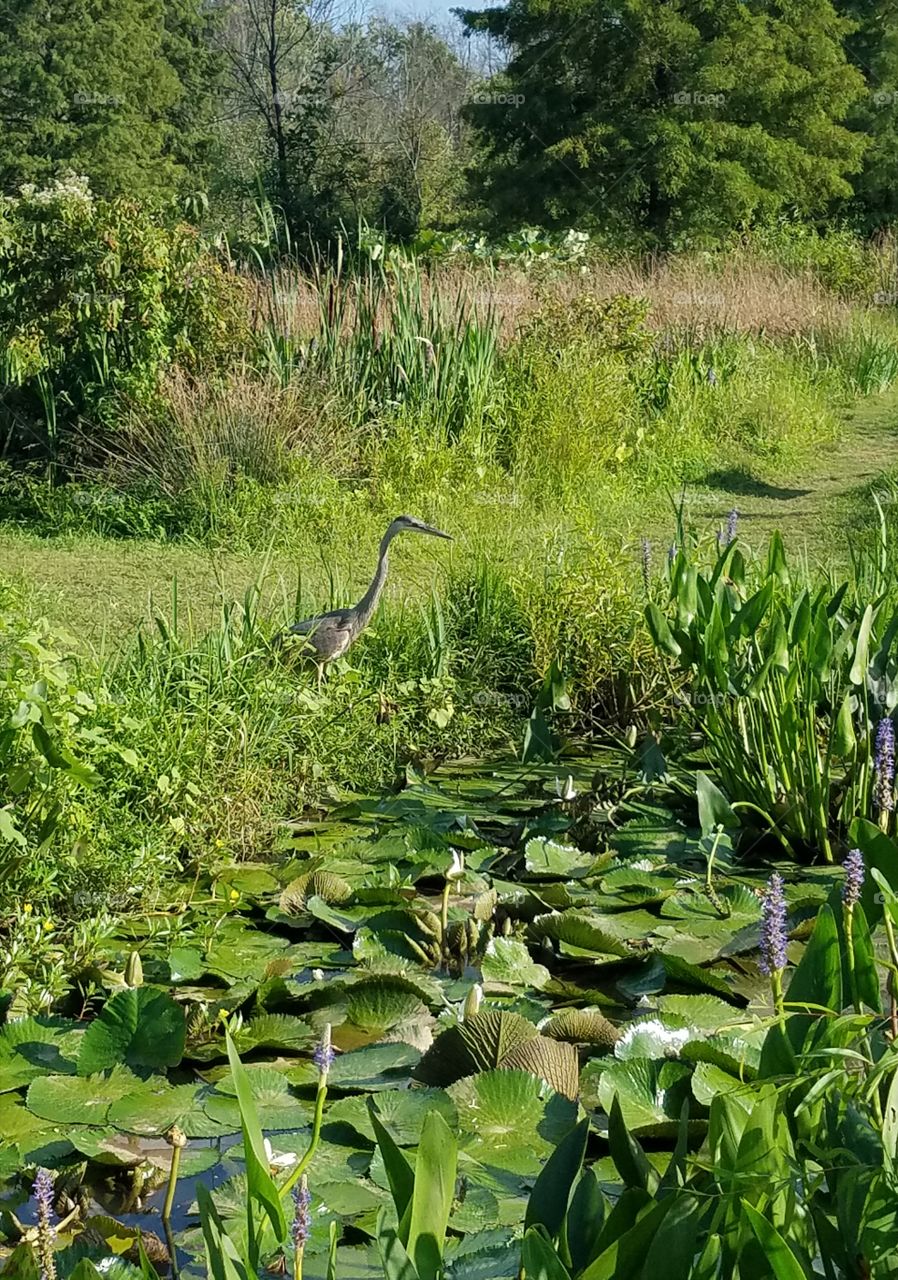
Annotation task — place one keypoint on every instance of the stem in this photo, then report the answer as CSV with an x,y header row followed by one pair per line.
x,y
444,914
172,1183
776,988
295,1174
849,943
297,1261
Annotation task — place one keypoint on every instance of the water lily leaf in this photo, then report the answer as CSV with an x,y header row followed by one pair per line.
x,y
503,1112
275,1031
80,1099
276,1105
507,963
650,1093
554,1061
153,1107
543,857
376,1008
30,1047
583,1026
19,1123
705,1011
141,1026
400,1111
477,1044
579,934
331,889
376,1067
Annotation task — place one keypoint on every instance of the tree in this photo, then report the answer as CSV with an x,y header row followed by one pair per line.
x,y
88,86
680,119
872,47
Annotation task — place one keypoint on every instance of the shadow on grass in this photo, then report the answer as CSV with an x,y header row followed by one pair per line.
x,y
737,480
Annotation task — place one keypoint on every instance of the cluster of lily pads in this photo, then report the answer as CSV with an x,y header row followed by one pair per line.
x,y
509,947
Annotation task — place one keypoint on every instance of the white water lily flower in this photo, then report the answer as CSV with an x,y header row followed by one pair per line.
x,y
317,975
457,867
565,790
652,1039
279,1159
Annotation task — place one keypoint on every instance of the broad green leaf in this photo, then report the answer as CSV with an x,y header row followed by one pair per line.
x,y
585,1219
858,672
400,1174
628,1156
435,1168
222,1258
139,1026
548,1201
541,1262
260,1185
713,807
781,1258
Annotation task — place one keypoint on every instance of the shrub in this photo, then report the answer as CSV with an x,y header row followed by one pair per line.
x,y
97,300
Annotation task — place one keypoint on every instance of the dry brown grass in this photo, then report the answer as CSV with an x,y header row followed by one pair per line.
x,y
735,295
208,432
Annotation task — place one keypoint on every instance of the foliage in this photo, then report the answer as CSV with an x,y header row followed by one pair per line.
x,y
98,300
787,683
653,126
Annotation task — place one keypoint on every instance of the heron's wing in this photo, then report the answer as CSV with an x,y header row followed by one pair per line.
x,y
336,620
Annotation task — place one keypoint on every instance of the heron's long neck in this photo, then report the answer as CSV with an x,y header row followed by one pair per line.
x,y
368,603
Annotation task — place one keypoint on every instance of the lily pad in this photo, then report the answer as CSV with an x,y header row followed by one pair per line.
x,y
80,1099
140,1026
401,1112
543,857
507,963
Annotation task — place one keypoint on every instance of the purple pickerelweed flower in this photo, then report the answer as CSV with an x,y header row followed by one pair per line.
x,y
671,553
302,1203
46,1231
324,1055
854,878
773,935
732,523
884,764
646,565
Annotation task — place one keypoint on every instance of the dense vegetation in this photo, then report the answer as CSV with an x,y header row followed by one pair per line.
x,y
552,934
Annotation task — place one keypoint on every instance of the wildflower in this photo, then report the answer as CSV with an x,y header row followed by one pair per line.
x,y
233,896
279,1159
565,790
671,553
884,765
772,939
457,866
732,523
646,565
324,1055
302,1202
854,878
46,1232
652,1039
27,908
48,926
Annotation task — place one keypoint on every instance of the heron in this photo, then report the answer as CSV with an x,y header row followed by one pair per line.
x,y
329,635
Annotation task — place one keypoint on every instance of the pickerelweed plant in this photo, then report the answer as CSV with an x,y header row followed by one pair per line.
x,y
787,682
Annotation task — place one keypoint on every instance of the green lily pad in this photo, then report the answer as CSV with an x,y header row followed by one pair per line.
x,y
400,1111
507,963
650,1093
153,1108
543,857
140,1026
502,1113
80,1099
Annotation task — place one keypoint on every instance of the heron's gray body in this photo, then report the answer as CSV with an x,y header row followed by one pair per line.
x,y
329,635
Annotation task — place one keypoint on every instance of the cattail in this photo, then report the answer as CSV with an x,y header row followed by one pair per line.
x,y
854,879
884,765
773,935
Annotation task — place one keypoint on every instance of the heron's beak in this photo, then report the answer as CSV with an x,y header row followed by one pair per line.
x,y
437,533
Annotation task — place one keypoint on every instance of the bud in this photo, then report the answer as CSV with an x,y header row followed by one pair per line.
x,y
134,970
472,1001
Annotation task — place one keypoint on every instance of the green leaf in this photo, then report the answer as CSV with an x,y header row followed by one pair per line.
x,y
782,1260
141,1026
842,739
400,1174
628,1156
507,963
395,1260
541,1262
435,1169
660,631
713,807
858,672
818,977
260,1185
544,857
585,1219
549,1198
222,1258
